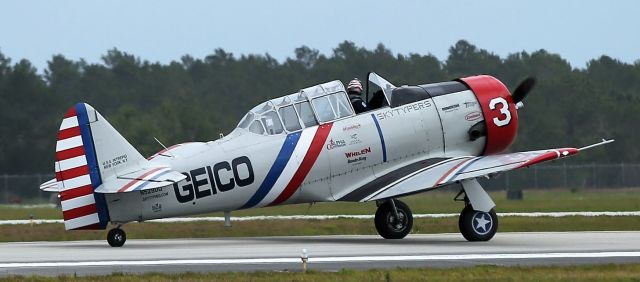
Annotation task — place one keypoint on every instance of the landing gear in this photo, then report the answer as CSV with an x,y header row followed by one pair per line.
x,y
116,237
394,219
477,225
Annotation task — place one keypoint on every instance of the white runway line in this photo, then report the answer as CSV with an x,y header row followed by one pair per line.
x,y
341,216
323,259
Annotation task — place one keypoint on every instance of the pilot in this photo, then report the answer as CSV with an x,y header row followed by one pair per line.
x,y
355,95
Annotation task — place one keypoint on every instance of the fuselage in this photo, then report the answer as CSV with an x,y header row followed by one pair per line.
x,y
332,161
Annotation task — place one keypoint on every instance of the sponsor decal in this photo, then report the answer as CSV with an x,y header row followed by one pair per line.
x,y
112,163
473,116
157,207
209,180
354,139
451,108
395,112
357,156
470,104
351,127
336,144
153,193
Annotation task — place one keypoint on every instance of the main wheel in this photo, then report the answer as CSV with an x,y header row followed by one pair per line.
x,y
476,225
390,227
116,237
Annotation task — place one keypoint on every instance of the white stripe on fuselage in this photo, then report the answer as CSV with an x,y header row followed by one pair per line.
x,y
292,166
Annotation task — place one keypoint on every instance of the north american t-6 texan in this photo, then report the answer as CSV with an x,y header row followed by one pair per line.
x,y
307,147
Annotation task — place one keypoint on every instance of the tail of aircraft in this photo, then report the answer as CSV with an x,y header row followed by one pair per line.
x,y
92,159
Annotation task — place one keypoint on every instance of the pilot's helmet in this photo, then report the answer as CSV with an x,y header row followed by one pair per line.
x,y
354,87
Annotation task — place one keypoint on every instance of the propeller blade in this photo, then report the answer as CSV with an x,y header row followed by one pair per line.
x,y
523,89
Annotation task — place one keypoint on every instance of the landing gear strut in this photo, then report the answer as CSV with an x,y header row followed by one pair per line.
x,y
116,237
394,219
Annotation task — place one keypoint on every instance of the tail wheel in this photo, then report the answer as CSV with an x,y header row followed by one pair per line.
x,y
116,237
388,225
477,225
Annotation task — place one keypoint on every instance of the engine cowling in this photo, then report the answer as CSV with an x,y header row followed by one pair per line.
x,y
499,111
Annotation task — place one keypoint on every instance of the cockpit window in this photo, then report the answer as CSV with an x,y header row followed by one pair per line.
x,y
256,127
290,118
306,114
332,106
248,118
323,109
340,104
272,123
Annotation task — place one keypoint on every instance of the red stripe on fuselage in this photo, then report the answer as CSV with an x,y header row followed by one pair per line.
x,y
307,163
79,212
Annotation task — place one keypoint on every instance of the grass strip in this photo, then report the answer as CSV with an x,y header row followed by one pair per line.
x,y
608,272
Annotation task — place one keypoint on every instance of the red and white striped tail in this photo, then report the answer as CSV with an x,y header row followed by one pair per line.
x,y
77,172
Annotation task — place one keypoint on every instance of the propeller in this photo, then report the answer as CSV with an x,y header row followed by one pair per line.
x,y
523,89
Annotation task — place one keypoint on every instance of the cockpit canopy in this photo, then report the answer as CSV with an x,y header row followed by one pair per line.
x,y
311,106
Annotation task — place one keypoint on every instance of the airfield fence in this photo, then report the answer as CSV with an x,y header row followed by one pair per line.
x,y
23,189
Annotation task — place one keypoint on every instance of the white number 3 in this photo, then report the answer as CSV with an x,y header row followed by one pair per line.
x,y
503,110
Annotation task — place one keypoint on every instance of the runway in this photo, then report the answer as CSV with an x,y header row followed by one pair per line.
x,y
324,252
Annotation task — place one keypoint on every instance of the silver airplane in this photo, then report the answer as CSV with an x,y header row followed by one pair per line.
x,y
306,147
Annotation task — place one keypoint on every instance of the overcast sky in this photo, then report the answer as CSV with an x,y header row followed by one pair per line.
x,y
165,30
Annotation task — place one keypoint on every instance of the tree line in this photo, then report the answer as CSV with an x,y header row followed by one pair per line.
x,y
199,98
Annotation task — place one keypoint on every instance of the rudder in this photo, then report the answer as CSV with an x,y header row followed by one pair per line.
x,y
77,172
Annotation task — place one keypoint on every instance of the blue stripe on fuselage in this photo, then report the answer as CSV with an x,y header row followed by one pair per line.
x,y
384,147
276,169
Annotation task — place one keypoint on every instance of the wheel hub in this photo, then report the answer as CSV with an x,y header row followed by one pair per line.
x,y
397,224
482,222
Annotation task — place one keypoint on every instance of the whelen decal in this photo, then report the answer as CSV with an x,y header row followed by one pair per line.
x,y
384,147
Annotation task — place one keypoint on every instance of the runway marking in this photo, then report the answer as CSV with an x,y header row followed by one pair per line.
x,y
340,216
322,259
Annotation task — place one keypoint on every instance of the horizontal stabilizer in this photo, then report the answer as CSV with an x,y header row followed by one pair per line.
x,y
148,178
50,186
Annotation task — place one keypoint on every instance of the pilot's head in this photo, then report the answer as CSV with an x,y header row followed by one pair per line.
x,y
354,87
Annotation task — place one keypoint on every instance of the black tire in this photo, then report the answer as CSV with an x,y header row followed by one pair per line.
x,y
386,223
476,225
116,237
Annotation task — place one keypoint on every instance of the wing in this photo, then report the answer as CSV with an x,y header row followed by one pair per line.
x,y
452,170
